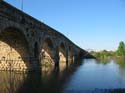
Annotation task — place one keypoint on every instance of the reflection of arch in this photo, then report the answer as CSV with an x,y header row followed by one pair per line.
x,y
62,52
14,44
47,51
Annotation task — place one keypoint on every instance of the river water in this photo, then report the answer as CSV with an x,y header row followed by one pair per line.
x,y
85,76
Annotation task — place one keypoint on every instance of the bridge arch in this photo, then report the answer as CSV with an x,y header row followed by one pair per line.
x,y
62,52
62,55
14,49
47,51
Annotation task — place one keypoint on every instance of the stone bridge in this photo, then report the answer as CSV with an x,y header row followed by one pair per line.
x,y
26,43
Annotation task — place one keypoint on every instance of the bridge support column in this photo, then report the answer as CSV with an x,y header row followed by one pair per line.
x,y
73,58
66,58
34,59
56,58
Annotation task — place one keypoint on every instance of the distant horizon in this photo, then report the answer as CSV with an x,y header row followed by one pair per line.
x,y
90,24
89,50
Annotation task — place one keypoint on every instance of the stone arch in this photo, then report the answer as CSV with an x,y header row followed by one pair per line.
x,y
14,49
47,51
62,52
62,56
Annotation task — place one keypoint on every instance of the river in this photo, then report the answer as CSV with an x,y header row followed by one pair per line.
x,y
86,76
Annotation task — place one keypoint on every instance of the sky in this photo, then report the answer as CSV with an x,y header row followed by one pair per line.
x,y
91,24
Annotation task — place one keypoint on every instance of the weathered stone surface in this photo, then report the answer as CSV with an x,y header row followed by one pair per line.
x,y
26,42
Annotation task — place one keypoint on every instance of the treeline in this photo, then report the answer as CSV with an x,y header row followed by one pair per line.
x,y
104,54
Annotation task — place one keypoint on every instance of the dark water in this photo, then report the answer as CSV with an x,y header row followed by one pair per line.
x,y
87,76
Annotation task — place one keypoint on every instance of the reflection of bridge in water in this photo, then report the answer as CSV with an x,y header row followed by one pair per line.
x,y
28,41
51,80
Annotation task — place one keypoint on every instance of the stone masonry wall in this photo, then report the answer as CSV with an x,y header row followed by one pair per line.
x,y
10,59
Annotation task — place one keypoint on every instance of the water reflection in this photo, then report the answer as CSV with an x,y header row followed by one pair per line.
x,y
10,81
104,61
120,62
50,80
98,76
78,77
31,84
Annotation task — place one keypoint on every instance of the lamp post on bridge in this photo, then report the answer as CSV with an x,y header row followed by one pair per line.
x,y
22,5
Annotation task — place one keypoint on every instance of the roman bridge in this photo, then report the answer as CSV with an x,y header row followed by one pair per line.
x,y
26,42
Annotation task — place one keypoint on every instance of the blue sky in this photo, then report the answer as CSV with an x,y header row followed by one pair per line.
x,y
91,24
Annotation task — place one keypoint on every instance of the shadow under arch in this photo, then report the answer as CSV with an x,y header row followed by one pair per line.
x,y
16,45
47,57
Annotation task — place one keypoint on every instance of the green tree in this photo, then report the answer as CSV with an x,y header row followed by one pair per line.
x,y
121,49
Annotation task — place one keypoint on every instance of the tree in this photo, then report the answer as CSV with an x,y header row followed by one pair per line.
x,y
121,49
